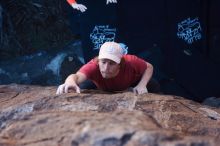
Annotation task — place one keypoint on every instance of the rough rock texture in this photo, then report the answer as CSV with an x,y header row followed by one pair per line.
x,y
35,116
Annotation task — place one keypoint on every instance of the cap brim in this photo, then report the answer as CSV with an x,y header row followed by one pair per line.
x,y
110,57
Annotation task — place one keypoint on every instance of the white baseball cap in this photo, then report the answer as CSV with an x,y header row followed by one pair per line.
x,y
111,51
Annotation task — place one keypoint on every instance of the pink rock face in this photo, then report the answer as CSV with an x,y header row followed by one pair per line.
x,y
35,116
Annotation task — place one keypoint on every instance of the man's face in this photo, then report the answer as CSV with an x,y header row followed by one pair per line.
x,y
108,68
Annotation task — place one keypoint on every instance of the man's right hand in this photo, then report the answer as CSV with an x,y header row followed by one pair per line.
x,y
65,88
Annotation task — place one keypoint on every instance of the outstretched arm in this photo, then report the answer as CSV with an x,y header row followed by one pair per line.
x,y
77,6
72,82
142,85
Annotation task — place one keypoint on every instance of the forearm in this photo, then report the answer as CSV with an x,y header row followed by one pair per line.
x,y
76,78
146,76
71,79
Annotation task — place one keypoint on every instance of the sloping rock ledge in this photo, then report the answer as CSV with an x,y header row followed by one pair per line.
x,y
35,116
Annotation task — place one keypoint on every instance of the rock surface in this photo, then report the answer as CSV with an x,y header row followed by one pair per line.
x,y
35,116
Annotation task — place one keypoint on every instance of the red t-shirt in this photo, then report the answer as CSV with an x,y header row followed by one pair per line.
x,y
130,72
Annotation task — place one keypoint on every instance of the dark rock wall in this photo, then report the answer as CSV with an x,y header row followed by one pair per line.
x,y
28,26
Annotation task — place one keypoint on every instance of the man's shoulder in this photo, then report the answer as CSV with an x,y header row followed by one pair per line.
x,y
90,68
135,63
91,65
133,60
93,61
129,57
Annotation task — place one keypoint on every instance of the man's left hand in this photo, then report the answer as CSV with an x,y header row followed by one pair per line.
x,y
140,90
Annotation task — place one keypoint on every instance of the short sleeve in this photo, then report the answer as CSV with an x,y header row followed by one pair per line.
x,y
138,64
90,69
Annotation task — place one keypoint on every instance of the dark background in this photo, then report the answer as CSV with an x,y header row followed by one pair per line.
x,y
149,29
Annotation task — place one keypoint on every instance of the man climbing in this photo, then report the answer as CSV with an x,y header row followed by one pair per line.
x,y
112,71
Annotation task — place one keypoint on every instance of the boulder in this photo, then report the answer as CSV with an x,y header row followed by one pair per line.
x,y
35,116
